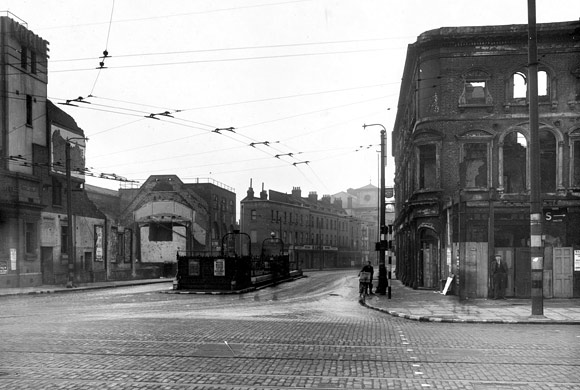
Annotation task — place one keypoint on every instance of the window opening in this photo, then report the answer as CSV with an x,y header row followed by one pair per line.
x,y
427,166
474,165
30,237
520,85
475,92
56,192
576,163
548,162
23,57
514,162
542,83
29,110
33,62
161,232
254,215
64,239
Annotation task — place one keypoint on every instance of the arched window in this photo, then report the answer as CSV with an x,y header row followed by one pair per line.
x,y
543,82
519,85
515,148
575,158
548,162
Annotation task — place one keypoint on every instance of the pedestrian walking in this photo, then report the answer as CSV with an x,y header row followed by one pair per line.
x,y
499,275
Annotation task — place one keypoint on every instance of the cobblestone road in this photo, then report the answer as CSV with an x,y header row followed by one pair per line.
x,y
308,334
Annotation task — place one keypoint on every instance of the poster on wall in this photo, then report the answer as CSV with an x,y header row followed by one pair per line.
x,y
194,268
219,267
13,259
59,138
576,260
98,243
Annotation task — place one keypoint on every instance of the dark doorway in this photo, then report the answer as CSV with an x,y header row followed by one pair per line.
x,y
523,273
47,265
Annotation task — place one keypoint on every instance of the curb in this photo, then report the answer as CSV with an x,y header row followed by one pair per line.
x,y
84,288
412,317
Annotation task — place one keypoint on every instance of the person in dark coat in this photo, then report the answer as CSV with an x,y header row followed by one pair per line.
x,y
368,268
499,275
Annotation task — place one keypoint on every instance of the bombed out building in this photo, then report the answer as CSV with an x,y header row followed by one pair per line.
x,y
461,146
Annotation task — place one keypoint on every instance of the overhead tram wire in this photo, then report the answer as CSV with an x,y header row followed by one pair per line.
x,y
224,60
198,51
105,52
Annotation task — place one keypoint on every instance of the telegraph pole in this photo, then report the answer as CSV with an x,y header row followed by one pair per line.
x,y
383,281
70,230
536,246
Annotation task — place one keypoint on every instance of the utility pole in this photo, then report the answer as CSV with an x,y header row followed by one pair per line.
x,y
70,227
536,246
70,230
383,281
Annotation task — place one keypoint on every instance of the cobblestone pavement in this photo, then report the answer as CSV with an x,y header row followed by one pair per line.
x,y
308,334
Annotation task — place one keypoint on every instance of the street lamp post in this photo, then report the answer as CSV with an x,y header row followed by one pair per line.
x,y
384,283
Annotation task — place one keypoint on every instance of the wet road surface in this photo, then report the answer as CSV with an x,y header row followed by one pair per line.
x,y
307,334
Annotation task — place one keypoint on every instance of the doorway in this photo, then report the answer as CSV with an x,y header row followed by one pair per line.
x,y
563,271
47,266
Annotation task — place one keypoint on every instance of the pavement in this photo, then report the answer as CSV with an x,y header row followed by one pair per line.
x,y
405,302
432,306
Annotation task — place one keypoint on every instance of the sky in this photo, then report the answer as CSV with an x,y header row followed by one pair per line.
x,y
296,80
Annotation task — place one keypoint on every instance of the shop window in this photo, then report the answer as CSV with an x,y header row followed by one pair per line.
x,y
548,161
30,237
514,162
474,167
161,232
427,166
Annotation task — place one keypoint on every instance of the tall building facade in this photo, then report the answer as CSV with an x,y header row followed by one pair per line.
x,y
461,147
44,238
317,233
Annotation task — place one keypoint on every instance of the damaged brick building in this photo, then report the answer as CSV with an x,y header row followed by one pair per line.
x,y
461,147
